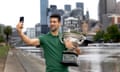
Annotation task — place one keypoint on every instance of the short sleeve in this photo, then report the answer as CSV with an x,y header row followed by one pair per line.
x,y
41,38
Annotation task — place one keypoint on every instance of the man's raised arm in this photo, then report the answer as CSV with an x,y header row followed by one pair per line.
x,y
25,38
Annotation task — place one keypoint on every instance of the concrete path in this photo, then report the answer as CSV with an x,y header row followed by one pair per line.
x,y
30,63
19,61
34,64
13,64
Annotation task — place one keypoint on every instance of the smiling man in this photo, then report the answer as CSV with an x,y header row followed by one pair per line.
x,y
51,45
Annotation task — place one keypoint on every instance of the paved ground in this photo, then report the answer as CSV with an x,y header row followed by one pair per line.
x,y
2,61
30,63
35,64
13,64
19,61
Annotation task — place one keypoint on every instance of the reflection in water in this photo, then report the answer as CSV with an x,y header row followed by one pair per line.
x,y
100,58
97,58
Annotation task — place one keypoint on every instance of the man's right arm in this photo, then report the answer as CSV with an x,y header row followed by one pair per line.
x,y
25,38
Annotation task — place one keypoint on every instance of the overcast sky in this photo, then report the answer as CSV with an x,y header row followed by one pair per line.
x,y
11,10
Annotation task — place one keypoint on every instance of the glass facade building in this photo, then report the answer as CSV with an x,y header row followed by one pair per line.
x,y
43,16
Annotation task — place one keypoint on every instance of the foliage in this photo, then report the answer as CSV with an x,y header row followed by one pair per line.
x,y
0,29
7,32
3,51
106,37
2,38
112,34
99,35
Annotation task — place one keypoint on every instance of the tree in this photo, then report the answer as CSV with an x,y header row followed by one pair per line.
x,y
0,29
106,37
99,36
2,38
114,33
7,32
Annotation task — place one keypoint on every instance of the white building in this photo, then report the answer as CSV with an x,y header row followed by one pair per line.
x,y
30,32
115,18
71,23
37,29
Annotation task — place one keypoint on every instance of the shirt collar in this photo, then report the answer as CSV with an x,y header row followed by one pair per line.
x,y
54,35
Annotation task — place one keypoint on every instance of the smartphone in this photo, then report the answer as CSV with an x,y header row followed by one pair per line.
x,y
21,19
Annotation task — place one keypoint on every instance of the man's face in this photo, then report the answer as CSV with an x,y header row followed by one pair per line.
x,y
54,24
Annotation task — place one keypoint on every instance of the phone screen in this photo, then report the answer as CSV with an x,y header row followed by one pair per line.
x,y
21,19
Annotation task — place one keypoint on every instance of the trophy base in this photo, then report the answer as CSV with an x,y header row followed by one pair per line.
x,y
69,52
67,56
69,64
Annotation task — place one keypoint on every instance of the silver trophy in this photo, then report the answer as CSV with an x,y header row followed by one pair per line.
x,y
69,56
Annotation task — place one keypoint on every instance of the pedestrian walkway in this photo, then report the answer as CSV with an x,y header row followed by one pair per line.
x,y
36,63
12,63
30,63
20,61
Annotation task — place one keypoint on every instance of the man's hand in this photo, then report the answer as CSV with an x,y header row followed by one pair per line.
x,y
25,38
77,51
68,43
19,27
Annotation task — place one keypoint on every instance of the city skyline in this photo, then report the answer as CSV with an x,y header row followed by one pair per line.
x,y
11,10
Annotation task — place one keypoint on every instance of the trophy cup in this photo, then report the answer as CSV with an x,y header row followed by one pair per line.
x,y
69,56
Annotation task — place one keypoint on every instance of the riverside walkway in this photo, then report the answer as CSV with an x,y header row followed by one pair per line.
x,y
19,61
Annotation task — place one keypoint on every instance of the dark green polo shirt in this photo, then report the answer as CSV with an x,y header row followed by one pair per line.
x,y
53,49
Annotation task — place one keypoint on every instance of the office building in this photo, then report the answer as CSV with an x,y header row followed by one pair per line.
x,y
15,39
115,19
30,32
43,16
72,24
80,5
106,7
67,7
118,8
37,29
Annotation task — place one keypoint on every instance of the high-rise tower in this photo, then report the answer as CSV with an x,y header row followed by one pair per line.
x,y
106,7
43,15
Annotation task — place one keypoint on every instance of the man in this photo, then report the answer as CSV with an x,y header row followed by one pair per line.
x,y
51,45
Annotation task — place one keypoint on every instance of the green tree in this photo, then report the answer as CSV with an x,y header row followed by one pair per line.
x,y
114,33
2,38
106,37
0,30
7,32
99,35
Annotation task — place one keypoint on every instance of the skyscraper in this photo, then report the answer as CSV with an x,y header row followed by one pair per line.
x,y
53,7
106,7
80,5
118,8
43,13
87,16
67,7
37,29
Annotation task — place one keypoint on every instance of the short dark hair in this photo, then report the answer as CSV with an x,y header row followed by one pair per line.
x,y
56,16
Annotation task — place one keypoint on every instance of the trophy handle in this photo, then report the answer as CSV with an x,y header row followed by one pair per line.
x,y
82,37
